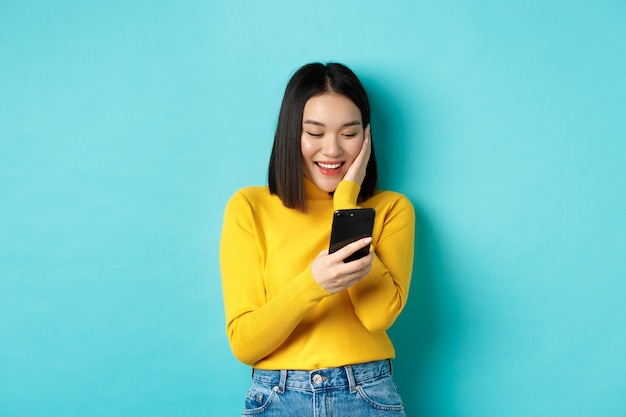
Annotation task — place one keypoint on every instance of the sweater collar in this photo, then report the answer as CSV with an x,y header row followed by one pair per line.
x,y
313,192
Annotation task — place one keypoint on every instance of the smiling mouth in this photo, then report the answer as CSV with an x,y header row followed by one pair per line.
x,y
329,166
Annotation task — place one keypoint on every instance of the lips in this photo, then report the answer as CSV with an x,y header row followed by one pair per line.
x,y
329,168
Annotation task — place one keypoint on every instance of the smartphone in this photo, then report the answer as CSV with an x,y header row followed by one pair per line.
x,y
349,226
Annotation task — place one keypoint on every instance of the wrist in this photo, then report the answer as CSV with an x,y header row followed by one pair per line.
x,y
346,194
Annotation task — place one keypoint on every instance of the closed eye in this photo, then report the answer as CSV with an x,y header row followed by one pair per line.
x,y
315,135
349,135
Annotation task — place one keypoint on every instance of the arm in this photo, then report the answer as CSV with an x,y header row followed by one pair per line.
x,y
379,298
255,325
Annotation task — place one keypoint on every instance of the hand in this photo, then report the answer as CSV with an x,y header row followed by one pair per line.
x,y
357,170
332,274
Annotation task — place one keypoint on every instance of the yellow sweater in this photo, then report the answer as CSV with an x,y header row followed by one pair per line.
x,y
277,316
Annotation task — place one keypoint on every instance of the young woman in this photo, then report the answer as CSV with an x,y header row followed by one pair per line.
x,y
313,327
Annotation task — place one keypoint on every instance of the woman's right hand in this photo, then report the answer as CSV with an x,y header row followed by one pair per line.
x,y
332,274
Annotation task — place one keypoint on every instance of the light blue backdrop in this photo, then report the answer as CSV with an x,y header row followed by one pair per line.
x,y
125,126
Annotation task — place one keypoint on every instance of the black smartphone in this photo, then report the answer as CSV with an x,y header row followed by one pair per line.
x,y
350,225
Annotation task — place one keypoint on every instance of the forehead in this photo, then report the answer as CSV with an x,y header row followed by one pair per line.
x,y
331,108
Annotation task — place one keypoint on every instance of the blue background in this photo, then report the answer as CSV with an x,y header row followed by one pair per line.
x,y
125,127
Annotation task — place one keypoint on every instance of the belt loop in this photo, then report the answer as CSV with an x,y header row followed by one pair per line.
x,y
390,366
283,381
351,380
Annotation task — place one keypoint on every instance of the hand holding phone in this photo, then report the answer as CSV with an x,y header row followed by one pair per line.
x,y
350,225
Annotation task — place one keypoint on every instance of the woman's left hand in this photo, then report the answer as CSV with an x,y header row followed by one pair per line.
x,y
357,170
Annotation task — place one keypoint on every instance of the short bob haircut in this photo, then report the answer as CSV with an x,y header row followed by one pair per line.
x,y
285,174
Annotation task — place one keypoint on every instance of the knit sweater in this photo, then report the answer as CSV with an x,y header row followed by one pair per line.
x,y
277,315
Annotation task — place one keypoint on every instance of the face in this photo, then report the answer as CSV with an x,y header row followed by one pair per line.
x,y
332,135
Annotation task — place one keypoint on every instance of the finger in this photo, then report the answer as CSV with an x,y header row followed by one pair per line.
x,y
366,149
358,268
350,248
366,145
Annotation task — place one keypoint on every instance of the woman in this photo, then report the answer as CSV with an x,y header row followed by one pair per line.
x,y
313,327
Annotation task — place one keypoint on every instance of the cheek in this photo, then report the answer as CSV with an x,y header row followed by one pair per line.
x,y
307,148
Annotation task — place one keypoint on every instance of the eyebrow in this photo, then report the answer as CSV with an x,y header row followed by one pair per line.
x,y
316,123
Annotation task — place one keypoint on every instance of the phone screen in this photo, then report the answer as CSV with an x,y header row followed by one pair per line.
x,y
349,226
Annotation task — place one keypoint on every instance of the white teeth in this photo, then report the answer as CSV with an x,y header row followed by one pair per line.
x,y
329,166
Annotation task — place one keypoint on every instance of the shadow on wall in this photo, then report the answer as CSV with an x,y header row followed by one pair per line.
x,y
396,134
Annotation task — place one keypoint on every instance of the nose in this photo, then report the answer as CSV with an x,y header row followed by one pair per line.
x,y
331,146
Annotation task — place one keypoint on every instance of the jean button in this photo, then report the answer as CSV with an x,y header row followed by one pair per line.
x,y
317,379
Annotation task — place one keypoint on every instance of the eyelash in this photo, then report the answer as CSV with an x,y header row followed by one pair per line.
x,y
319,135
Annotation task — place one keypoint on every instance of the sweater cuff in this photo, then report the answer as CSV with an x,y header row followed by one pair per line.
x,y
316,290
346,195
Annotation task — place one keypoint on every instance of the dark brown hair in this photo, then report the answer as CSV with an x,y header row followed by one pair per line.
x,y
285,174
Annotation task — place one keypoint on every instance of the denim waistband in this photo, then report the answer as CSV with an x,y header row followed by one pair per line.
x,y
349,376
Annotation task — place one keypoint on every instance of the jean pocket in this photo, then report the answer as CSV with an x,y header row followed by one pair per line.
x,y
259,398
381,394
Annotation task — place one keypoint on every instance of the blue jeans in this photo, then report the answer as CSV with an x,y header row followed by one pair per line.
x,y
363,390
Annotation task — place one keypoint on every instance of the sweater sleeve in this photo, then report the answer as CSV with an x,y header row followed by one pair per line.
x,y
346,195
379,298
255,325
